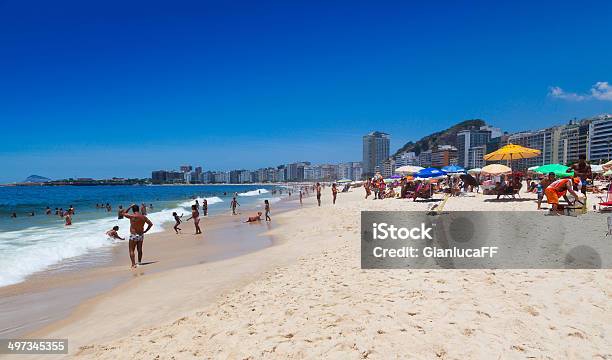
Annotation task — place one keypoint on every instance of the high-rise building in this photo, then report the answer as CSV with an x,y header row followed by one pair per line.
x,y
444,155
208,177
244,176
573,141
345,170
197,174
600,139
186,168
425,158
357,170
329,172
476,156
406,158
159,177
545,140
375,150
388,168
472,138
309,173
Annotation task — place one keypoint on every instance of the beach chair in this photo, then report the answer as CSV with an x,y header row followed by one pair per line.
x,y
510,192
605,204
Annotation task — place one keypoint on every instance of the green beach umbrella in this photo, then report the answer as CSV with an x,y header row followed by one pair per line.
x,y
558,169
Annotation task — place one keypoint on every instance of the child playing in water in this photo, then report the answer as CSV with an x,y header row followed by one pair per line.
x,y
178,222
113,234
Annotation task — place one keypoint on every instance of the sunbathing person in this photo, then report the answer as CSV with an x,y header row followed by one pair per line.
x,y
254,218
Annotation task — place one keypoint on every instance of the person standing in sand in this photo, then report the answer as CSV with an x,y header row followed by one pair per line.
x,y
334,190
583,171
318,189
233,205
137,231
301,195
205,207
195,215
267,209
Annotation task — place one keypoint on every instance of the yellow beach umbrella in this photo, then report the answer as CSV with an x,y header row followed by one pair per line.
x,y
495,169
512,152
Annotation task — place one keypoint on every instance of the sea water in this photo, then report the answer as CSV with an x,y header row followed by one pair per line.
x,y
29,244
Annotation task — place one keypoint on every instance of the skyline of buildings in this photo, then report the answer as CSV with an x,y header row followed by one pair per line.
x,y
565,143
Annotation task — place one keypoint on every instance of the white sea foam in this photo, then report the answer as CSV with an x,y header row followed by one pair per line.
x,y
211,200
34,249
254,192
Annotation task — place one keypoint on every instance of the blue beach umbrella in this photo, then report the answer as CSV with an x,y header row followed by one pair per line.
x,y
430,173
453,169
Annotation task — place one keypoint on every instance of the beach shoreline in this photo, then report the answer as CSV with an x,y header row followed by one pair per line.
x,y
307,297
62,291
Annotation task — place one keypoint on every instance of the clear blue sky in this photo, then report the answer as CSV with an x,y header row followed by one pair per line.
x,y
97,89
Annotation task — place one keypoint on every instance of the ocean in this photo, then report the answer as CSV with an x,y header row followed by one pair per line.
x,y
29,244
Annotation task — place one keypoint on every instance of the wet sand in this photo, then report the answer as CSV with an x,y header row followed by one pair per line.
x,y
50,296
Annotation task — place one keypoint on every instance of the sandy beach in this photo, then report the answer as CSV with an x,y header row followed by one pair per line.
x,y
307,297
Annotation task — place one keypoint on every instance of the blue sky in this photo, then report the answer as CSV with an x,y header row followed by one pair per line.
x,y
118,88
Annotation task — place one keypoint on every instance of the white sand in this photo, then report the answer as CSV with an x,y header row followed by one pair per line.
x,y
308,298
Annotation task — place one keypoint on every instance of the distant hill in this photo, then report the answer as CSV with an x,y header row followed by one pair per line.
x,y
36,179
444,137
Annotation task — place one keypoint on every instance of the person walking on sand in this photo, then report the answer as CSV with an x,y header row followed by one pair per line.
x,y
178,222
301,195
195,215
334,190
318,189
367,186
205,207
233,205
137,231
113,234
267,209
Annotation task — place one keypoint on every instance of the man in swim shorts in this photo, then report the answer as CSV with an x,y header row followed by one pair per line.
x,y
137,231
560,188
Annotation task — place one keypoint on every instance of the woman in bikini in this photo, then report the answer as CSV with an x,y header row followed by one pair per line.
x,y
195,215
